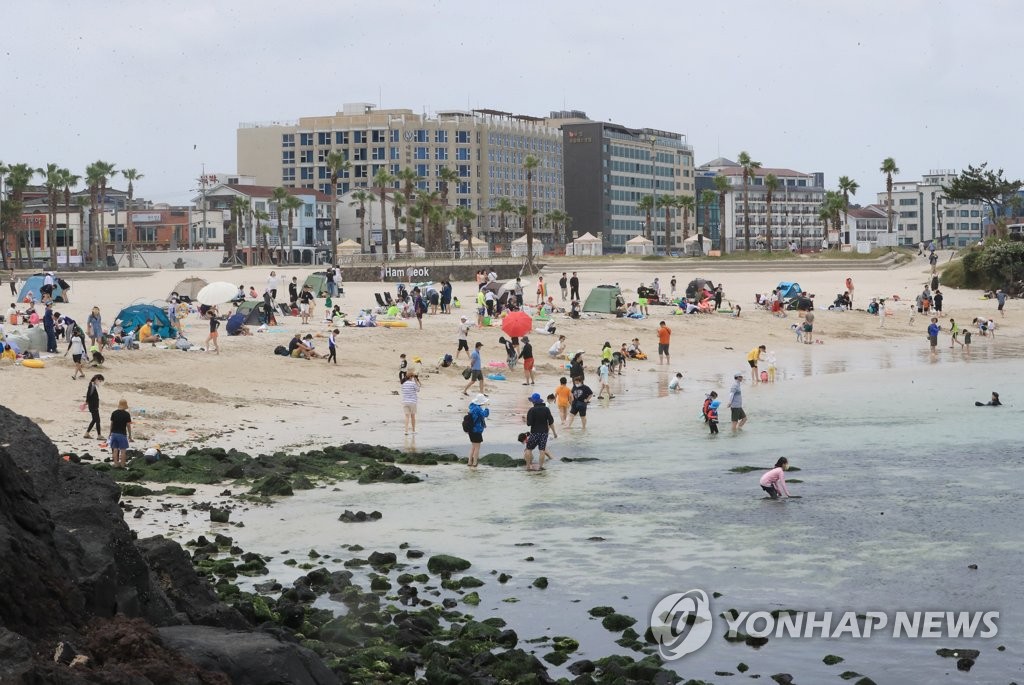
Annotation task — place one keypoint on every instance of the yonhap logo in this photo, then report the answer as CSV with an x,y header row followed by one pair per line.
x,y
681,623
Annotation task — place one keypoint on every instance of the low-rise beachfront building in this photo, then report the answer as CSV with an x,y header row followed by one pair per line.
x,y
923,213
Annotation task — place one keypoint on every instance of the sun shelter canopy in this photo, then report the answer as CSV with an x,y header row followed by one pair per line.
x,y
188,287
480,248
602,299
349,247
133,317
519,247
587,245
790,289
639,245
34,283
317,282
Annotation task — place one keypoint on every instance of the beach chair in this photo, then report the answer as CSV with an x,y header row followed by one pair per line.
x,y
388,299
380,300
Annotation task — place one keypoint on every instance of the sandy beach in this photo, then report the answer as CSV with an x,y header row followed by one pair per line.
x,y
246,397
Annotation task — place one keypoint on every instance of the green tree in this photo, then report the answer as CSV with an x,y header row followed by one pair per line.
x,y
889,168
503,206
397,203
831,210
339,165
991,188
18,178
771,184
68,181
92,180
446,176
530,164
723,188
105,171
848,187
277,198
51,181
360,199
667,203
646,205
382,179
131,175
260,219
750,168
240,212
463,217
559,221
408,178
687,203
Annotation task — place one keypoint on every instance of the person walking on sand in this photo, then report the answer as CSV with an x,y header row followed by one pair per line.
x,y
94,324
849,288
77,349
672,287
603,372
735,403
410,397
332,347
305,302
753,358
92,403
1000,302
563,284
477,418
933,335
711,416
774,482
581,396
541,423
120,434
293,293
574,287
211,340
463,337
273,283
664,334
542,290
954,333
476,370
526,354
563,398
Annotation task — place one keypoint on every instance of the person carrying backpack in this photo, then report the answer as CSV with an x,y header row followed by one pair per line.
x,y
474,423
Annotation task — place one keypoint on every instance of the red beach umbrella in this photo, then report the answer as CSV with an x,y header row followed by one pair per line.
x,y
517,324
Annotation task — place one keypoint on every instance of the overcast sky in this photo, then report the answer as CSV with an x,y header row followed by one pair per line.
x,y
814,85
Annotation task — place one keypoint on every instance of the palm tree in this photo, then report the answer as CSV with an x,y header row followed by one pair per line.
x,y
360,198
240,210
559,220
722,187
409,178
131,175
382,179
105,172
464,220
687,203
668,203
338,165
708,198
51,180
521,213
503,206
277,197
397,202
646,203
750,168
82,202
530,164
848,187
291,204
889,168
831,209
68,181
92,180
259,217
771,184
18,178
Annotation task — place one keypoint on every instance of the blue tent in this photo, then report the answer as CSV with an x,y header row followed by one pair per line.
x,y
34,283
134,316
789,289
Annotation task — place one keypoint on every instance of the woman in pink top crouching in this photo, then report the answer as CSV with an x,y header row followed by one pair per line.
x,y
774,482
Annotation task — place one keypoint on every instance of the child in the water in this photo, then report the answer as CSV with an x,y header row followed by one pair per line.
x,y
774,482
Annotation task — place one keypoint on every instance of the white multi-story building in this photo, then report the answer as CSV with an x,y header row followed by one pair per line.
x,y
794,210
922,213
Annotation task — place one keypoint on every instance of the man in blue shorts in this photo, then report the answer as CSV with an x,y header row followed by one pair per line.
x,y
581,395
541,422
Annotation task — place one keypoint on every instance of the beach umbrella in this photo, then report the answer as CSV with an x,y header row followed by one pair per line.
x,y
216,293
517,324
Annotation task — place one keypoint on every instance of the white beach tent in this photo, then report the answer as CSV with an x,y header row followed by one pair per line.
x,y
692,246
587,245
639,245
480,248
349,247
414,249
519,247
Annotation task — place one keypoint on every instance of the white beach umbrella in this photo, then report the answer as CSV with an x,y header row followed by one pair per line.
x,y
217,292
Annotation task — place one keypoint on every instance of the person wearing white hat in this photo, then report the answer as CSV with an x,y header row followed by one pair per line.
x,y
474,423
735,402
463,337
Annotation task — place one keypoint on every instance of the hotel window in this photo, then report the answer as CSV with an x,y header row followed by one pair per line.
x,y
306,156
307,211
422,170
307,173
323,172
463,170
378,153
394,136
463,187
462,137
358,137
341,137
375,168
359,170
377,136
288,173
325,188
462,154
145,234
421,152
305,139
323,138
360,154
394,169
395,153
441,153
421,135
288,157
287,140
440,136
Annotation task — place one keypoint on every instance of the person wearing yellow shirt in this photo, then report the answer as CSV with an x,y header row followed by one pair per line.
x,y
753,358
146,334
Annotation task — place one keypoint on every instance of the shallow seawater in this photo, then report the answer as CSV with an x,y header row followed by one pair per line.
x,y
905,483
